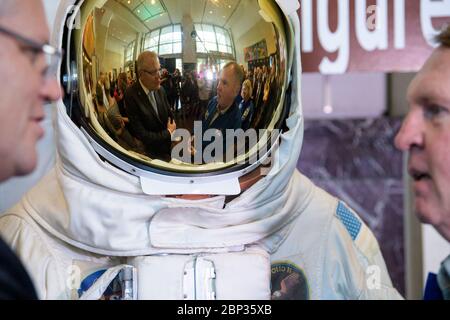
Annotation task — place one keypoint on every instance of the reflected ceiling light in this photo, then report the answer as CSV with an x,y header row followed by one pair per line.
x,y
129,1
153,1
229,6
209,75
328,109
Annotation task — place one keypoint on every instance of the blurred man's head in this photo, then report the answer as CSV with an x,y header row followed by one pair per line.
x,y
229,85
149,70
426,135
25,87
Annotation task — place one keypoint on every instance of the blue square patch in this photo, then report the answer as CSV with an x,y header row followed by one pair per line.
x,y
349,219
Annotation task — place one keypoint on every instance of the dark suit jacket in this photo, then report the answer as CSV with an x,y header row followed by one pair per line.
x,y
15,284
148,127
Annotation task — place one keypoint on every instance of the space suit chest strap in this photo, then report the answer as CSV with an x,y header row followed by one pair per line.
x,y
242,275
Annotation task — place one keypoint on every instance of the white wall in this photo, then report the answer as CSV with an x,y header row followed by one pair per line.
x,y
262,30
114,55
112,60
350,95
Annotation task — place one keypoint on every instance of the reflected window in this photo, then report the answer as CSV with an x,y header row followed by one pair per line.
x,y
164,41
222,63
179,64
213,65
213,38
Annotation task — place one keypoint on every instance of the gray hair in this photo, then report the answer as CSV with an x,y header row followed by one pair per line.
x,y
144,56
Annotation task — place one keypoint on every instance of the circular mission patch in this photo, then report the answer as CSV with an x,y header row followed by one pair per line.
x,y
288,282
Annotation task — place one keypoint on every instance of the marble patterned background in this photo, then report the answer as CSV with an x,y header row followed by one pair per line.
x,y
356,161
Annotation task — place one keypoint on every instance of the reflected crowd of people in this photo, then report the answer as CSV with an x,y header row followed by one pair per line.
x,y
191,96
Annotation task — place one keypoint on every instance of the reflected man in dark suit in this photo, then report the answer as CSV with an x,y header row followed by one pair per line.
x,y
148,109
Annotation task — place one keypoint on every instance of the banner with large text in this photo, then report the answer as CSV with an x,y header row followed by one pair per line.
x,y
340,36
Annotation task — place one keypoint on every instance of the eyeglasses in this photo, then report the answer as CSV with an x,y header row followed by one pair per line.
x,y
153,73
53,55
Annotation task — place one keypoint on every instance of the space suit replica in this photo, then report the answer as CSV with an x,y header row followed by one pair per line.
x,y
95,228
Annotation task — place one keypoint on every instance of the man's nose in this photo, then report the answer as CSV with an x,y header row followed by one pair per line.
x,y
411,133
51,90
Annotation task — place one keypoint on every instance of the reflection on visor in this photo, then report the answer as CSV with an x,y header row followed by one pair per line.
x,y
184,85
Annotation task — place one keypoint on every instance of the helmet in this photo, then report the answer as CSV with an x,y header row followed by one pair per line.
x,y
195,42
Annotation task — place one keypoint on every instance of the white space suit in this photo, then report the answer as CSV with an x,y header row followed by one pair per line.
x,y
88,231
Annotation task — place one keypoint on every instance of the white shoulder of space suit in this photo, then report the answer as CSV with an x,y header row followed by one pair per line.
x,y
36,252
354,260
